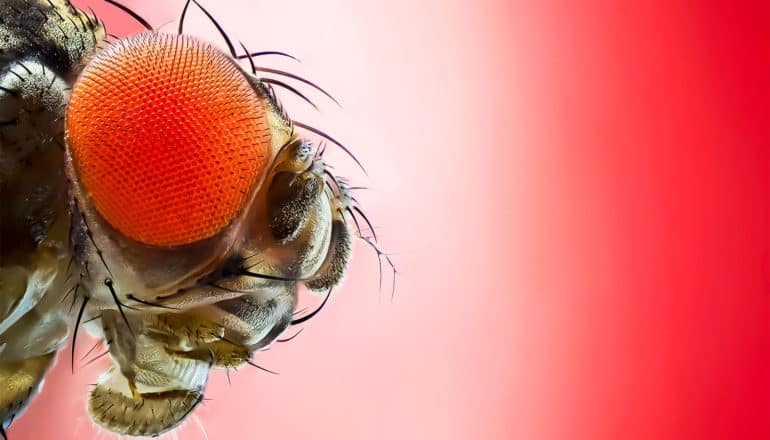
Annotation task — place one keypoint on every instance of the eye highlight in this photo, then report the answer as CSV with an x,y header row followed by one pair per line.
x,y
168,138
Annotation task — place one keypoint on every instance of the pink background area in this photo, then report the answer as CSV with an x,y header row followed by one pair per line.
x,y
576,194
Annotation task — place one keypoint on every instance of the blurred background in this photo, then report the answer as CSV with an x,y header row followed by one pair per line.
x,y
575,194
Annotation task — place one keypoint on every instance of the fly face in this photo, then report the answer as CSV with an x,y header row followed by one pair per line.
x,y
194,214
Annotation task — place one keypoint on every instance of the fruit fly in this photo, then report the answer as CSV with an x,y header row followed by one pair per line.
x,y
154,191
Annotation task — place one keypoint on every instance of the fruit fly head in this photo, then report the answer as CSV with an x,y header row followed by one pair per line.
x,y
196,214
169,141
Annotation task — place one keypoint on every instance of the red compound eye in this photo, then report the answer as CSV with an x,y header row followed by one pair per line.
x,y
168,138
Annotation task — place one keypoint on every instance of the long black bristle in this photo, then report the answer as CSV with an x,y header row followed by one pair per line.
x,y
332,140
290,337
273,81
219,28
267,277
69,292
75,331
298,78
291,89
268,52
106,352
182,17
314,312
353,216
93,242
148,303
251,59
96,344
108,283
261,368
133,14
99,316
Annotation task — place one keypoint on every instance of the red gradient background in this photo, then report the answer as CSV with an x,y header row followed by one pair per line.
x,y
577,197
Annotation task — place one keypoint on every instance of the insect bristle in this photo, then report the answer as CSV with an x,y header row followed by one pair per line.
x,y
139,19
